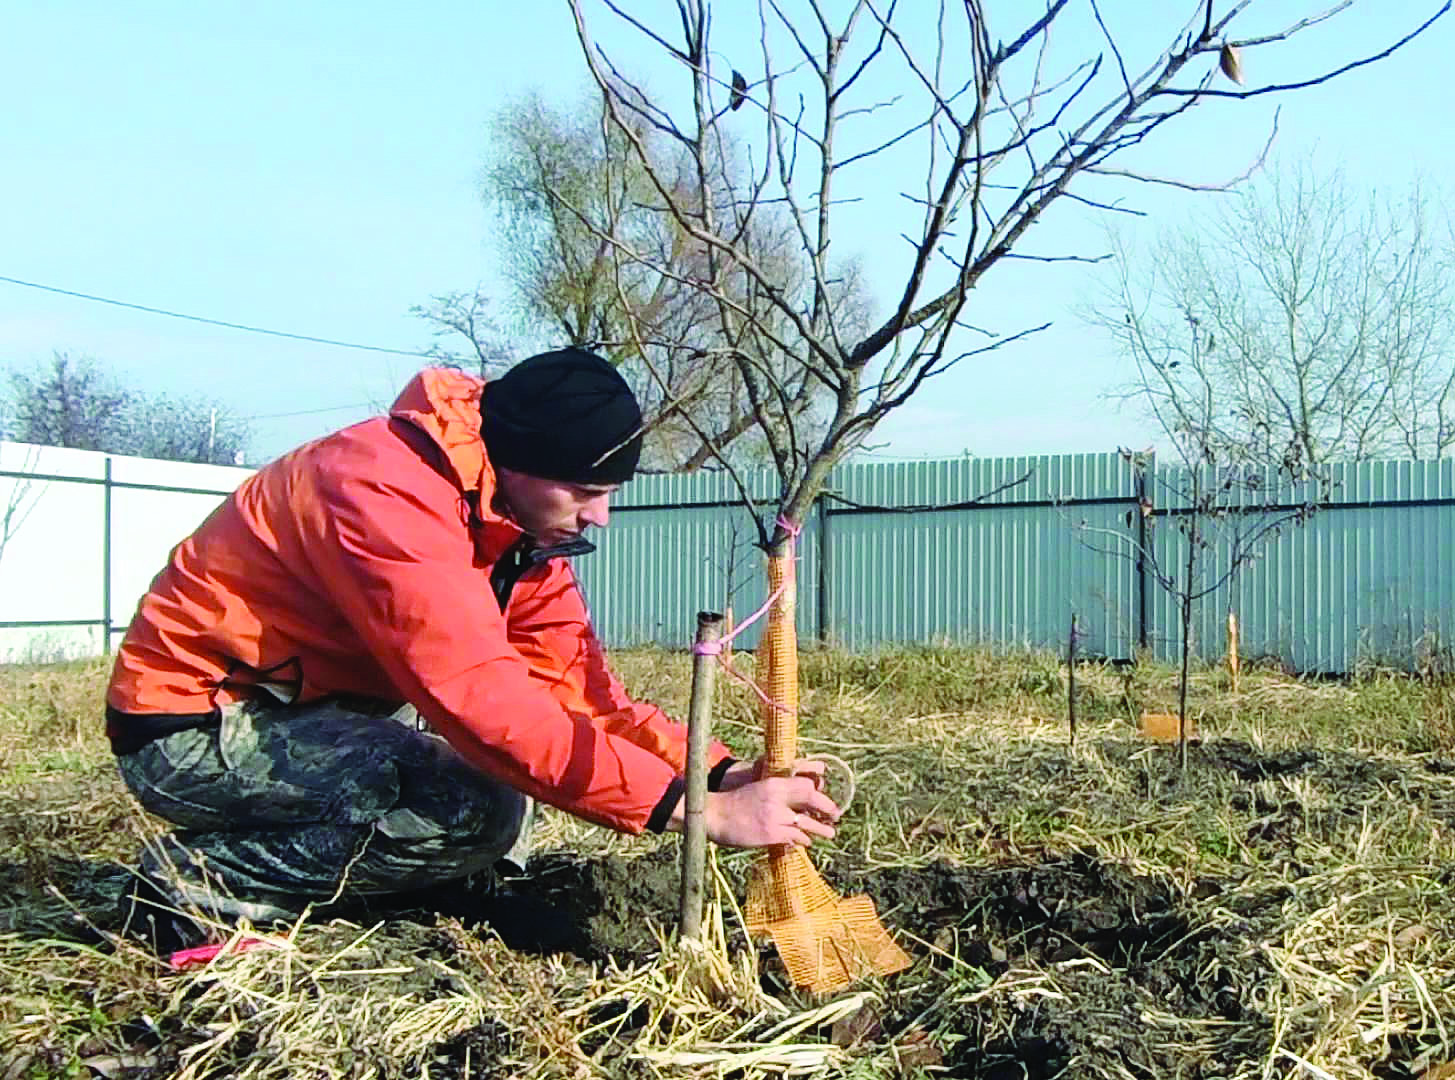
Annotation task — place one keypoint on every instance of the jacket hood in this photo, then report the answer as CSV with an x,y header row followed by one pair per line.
x,y
445,405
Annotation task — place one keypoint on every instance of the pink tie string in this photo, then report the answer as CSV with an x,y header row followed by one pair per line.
x,y
716,648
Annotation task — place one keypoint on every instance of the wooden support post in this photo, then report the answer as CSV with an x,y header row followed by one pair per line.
x,y
699,738
1071,679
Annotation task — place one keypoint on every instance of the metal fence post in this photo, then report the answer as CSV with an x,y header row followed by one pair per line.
x,y
106,560
1144,507
825,609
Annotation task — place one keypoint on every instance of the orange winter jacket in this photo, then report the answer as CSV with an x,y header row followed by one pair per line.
x,y
361,564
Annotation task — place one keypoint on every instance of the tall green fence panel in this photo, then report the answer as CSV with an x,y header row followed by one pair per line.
x,y
1001,551
682,544
966,550
1010,568
1365,577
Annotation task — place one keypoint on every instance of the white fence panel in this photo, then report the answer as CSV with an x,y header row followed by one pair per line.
x,y
82,534
155,505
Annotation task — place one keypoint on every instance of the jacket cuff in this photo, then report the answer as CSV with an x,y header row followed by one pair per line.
x,y
714,778
666,804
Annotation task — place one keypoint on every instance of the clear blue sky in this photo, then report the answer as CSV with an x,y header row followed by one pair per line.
x,y
315,168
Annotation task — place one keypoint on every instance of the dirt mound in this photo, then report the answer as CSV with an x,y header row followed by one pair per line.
x,y
1094,963
475,1052
612,905
1099,964
1250,763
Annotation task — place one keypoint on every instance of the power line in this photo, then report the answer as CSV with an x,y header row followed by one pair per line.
x,y
309,412
210,322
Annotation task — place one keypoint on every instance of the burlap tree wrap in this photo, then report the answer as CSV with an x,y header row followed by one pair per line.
x,y
826,941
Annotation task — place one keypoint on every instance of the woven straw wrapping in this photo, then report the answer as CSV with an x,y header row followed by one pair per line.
x,y
826,941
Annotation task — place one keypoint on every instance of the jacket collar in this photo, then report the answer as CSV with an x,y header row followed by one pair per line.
x,y
445,405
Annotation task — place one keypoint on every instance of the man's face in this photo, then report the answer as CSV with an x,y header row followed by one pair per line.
x,y
552,511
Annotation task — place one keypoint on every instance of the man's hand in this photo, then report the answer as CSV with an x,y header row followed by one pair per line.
x,y
745,772
771,812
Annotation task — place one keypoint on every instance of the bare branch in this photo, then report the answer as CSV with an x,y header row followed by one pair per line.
x,y
1121,64
1040,26
1029,257
1187,185
1294,28
985,153
923,508
1317,80
1111,207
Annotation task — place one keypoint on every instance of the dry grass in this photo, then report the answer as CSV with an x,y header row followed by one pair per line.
x,y
1305,868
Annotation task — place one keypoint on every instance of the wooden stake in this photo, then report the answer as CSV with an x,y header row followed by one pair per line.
x,y
699,737
1071,679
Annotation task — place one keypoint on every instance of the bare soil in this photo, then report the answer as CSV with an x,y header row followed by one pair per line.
x,y
1073,910
1123,973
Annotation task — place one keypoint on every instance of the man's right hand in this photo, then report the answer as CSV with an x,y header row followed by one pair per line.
x,y
771,812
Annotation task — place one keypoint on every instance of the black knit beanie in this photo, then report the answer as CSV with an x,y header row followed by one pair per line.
x,y
565,415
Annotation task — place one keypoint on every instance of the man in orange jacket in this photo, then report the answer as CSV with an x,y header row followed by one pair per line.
x,y
362,671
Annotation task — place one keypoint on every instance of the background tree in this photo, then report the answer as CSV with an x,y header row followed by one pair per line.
x,y
74,402
972,106
1223,506
572,193
1299,320
467,315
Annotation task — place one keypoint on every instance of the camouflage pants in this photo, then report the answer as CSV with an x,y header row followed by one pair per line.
x,y
279,806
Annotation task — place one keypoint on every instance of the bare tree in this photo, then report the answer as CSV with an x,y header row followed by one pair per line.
x,y
465,315
989,128
74,402
1323,324
1224,503
574,195
971,106
1300,326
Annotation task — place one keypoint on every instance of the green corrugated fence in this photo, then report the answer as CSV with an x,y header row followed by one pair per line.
x,y
884,560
